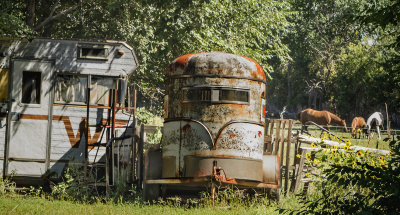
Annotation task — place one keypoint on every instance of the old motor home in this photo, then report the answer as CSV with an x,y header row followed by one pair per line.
x,y
48,90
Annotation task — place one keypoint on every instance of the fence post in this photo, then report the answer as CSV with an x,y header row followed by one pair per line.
x,y
289,139
299,171
140,158
277,139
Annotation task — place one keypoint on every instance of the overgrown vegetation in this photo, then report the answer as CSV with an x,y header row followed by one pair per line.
x,y
71,196
354,182
148,118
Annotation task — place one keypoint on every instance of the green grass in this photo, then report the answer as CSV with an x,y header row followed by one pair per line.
x,y
34,205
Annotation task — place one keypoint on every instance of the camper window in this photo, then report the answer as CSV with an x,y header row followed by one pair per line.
x,y
71,89
196,95
234,95
31,82
99,90
96,53
224,95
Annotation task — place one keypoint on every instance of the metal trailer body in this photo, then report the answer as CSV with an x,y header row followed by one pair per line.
x,y
43,102
214,124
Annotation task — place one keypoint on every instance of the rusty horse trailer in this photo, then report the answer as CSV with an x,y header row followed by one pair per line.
x,y
213,127
62,103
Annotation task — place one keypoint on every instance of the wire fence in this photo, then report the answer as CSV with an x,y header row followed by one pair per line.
x,y
394,132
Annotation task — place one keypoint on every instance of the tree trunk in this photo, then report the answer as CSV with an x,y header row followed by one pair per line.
x,y
289,89
30,10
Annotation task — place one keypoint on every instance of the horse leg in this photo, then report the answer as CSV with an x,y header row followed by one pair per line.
x,y
326,127
379,133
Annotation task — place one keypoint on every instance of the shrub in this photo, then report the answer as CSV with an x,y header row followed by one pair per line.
x,y
356,183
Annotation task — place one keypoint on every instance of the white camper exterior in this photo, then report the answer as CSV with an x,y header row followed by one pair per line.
x,y
43,103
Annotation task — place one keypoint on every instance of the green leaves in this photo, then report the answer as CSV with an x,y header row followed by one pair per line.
x,y
359,188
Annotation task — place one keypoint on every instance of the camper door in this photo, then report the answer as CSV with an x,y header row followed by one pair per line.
x,y
28,142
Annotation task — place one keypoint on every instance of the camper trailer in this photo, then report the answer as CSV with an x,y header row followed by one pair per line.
x,y
213,127
63,103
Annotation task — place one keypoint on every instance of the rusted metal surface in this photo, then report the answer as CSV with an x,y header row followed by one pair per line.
x,y
215,108
206,180
231,167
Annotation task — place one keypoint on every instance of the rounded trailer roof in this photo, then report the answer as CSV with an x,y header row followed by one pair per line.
x,y
219,64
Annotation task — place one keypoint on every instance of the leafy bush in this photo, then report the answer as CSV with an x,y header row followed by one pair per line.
x,y
6,186
146,117
355,183
72,187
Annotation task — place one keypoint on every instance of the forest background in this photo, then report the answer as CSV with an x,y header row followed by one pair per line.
x,y
339,55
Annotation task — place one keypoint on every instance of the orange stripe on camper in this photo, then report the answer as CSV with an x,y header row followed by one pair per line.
x,y
73,139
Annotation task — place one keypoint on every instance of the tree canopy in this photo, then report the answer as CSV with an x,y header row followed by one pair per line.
x,y
341,55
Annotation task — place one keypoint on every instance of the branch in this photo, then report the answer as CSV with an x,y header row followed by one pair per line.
x,y
51,17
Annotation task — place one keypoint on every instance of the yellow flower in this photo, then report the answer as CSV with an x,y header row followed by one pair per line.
x,y
316,161
308,156
335,146
322,140
386,154
298,156
348,143
373,177
346,148
381,158
360,154
313,145
367,152
307,175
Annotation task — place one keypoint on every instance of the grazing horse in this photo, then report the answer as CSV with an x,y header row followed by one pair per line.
x,y
324,118
358,122
376,119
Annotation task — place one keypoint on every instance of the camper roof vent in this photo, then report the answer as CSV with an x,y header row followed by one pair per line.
x,y
93,52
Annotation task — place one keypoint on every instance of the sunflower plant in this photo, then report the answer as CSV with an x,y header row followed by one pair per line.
x,y
355,182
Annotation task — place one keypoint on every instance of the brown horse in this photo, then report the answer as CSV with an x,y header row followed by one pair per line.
x,y
358,122
324,118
